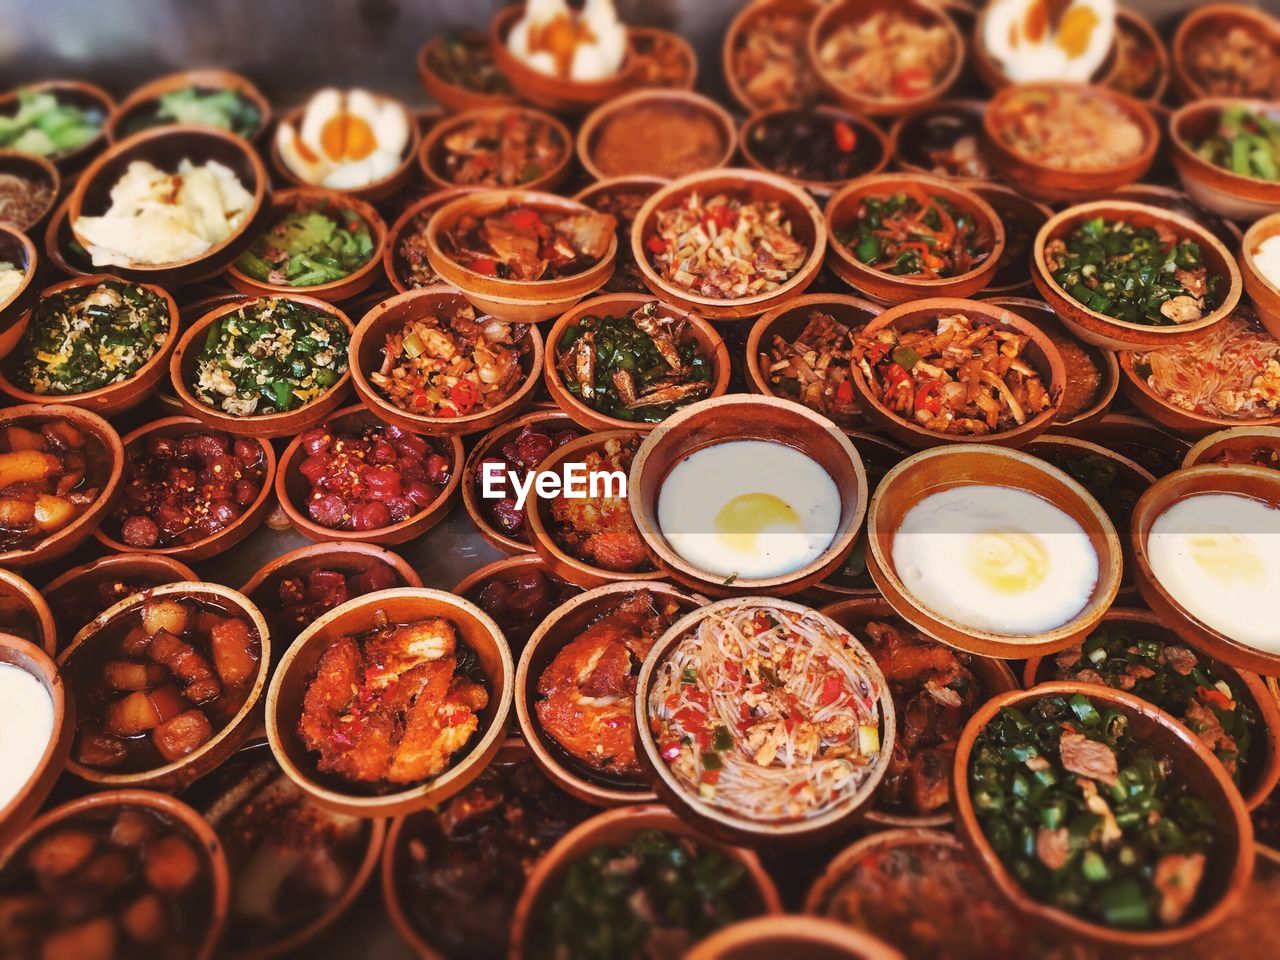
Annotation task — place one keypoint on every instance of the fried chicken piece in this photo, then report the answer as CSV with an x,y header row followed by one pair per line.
x,y
397,650
439,723
337,679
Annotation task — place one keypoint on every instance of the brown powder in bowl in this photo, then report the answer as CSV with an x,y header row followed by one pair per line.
x,y
660,140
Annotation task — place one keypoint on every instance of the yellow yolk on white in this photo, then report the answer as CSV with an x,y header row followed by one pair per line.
x,y
346,140
1049,39
1009,563
741,520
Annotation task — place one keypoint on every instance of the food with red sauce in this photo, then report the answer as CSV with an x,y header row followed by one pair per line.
x,y
519,455
505,150
600,530
519,603
47,479
301,600
523,242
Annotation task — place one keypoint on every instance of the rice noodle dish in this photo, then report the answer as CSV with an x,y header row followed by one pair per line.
x,y
769,712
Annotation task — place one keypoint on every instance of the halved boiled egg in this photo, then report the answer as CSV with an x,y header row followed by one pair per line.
x,y
347,139
1049,39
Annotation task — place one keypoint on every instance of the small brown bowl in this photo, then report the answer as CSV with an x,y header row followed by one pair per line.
x,y
227,739
565,624
16,248
645,44
672,101
36,170
1205,21
801,11
1229,872
765,938
1104,331
610,828
932,471
1255,483
105,474
554,93
365,355
1229,195
1022,220
61,248
166,147
516,625
1142,32
26,656
401,605
752,185
910,132
889,288
292,487
414,217
864,130
25,612
994,676
844,13
1051,184
182,368
453,96
709,343
431,154
1225,446
516,301
1142,441
146,99
1263,292
297,199
202,946
75,93
114,398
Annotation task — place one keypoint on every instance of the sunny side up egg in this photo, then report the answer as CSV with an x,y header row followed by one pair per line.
x,y
748,508
1049,39
346,140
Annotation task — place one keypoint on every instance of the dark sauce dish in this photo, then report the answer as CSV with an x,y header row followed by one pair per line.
x,y
817,147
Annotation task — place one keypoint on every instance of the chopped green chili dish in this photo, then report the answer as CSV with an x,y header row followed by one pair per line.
x,y
914,235
307,247
1246,143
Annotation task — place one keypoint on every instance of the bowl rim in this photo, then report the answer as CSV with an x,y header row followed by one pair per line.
x,y
786,932
802,11
29,271
212,78
498,111
763,115
951,105
1248,251
38,608
1208,441
484,574
51,176
281,563
425,205
422,60
1140,24
179,570
22,807
1192,165
1192,90
90,91
656,35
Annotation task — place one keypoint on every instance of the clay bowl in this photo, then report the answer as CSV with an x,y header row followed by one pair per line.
x,y
453,96
1104,331
887,287
1229,195
25,613
1211,20
182,370
1022,220
413,218
865,131
1264,293
135,443
1141,32
911,138
992,73
1171,198
1140,440
166,147
626,195
365,355
746,19
61,247
932,471
1265,748
727,825
1237,445
749,185
709,342
284,202
116,397
17,248
516,301
76,93
1256,483
227,739
201,946
767,937
646,44
402,605
851,12
995,676
1040,353
36,170
374,192
432,153
745,417
552,420
139,106
104,471
611,828
292,488
538,519
1228,873
26,656
1052,184
552,92
674,103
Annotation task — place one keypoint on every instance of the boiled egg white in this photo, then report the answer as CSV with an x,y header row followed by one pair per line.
x,y
347,139
1049,39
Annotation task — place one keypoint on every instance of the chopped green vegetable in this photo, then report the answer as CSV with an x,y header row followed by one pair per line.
x,y
42,125
223,108
1246,143
307,247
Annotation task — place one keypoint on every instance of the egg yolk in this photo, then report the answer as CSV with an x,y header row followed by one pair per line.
x,y
1076,30
1227,557
741,520
346,136
1009,563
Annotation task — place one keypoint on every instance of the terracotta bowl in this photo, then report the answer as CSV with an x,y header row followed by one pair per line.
x,y
1209,20
1264,293
516,625
76,93
292,488
1215,188
28,657
851,12
1051,184
284,202
431,155
887,287
817,902
16,248
365,355
1171,198
550,92
61,247
932,471
166,147
114,398
182,369
104,471
864,131
1265,749
413,218
374,192
800,10
801,211
1142,441
227,739
203,946
992,73
452,96
610,828
35,170
1256,483
145,99
25,613
995,676
645,44
1236,443
516,301
1022,220
565,624
910,133
675,101
1228,873
1141,29
289,684
1105,331
768,937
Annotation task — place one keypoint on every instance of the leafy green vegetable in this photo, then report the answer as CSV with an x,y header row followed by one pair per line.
x,y
1246,143
44,126
309,247
224,109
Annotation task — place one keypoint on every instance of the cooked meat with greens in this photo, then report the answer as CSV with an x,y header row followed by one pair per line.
x,y
522,242
814,368
915,234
